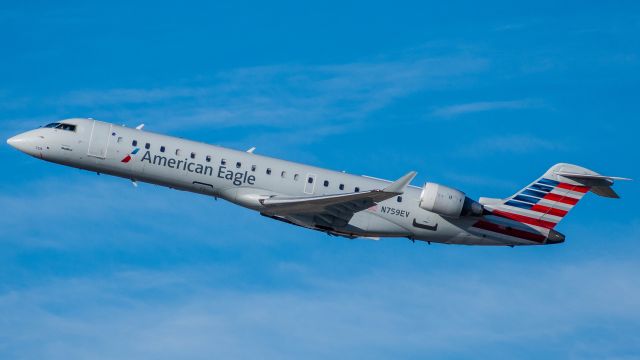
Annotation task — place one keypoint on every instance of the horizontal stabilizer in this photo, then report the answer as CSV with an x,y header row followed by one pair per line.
x,y
605,191
589,176
598,184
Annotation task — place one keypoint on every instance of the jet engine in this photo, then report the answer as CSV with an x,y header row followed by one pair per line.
x,y
448,202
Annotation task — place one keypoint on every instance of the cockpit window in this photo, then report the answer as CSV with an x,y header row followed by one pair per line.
x,y
61,126
67,127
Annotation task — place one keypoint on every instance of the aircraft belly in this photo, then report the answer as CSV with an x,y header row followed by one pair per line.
x,y
359,222
380,226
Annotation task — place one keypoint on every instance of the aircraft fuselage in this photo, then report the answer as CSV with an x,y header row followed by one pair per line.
x,y
243,178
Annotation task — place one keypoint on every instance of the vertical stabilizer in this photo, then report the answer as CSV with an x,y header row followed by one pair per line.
x,y
533,212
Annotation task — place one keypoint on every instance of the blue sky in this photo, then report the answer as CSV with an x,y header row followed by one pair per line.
x,y
482,98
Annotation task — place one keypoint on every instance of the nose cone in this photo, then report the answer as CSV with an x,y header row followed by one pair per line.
x,y
25,142
15,141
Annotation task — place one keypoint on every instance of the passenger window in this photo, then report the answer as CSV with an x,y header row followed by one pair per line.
x,y
310,180
283,174
357,189
295,177
178,152
208,158
223,162
326,183
134,143
193,155
268,171
119,139
238,165
399,198
253,168
341,187
162,148
147,146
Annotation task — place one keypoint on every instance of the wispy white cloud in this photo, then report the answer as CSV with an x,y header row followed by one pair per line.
x,y
483,106
514,143
510,27
380,315
288,96
212,309
295,96
68,205
481,181
92,98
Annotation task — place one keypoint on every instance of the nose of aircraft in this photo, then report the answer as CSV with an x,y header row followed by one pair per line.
x,y
24,142
15,141
11,140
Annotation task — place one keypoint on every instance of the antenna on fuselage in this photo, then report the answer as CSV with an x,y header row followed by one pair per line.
x,y
139,127
250,151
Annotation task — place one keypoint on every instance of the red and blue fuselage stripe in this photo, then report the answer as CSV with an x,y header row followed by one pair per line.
x,y
509,231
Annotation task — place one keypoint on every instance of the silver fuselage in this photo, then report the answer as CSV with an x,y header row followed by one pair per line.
x,y
239,177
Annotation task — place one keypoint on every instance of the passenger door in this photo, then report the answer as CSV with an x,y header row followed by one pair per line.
x,y
99,140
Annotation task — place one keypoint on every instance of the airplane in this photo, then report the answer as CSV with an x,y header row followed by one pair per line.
x,y
333,202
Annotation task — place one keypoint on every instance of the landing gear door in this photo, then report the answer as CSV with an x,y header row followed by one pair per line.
x,y
99,141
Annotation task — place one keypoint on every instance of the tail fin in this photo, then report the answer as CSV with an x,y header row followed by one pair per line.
x,y
546,201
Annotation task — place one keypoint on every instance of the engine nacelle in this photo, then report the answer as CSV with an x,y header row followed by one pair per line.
x,y
449,202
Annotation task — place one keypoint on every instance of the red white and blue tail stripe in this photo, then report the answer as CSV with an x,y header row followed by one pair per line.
x,y
531,214
542,204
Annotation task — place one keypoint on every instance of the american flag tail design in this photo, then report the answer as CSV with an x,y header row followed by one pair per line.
x,y
533,212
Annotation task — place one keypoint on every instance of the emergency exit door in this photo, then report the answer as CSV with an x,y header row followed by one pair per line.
x,y
310,184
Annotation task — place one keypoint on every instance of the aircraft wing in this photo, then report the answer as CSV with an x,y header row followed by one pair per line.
x,y
336,209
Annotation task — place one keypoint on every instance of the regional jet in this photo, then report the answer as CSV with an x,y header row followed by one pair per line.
x,y
333,202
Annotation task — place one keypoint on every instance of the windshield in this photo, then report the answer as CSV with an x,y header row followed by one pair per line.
x,y
61,126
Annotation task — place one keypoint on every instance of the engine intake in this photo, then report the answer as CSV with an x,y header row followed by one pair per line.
x,y
447,201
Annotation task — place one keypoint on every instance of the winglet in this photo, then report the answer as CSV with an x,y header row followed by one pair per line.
x,y
399,185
